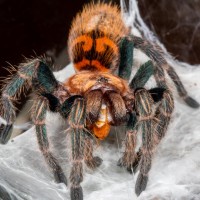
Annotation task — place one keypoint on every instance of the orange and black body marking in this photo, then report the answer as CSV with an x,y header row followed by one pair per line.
x,y
94,46
94,38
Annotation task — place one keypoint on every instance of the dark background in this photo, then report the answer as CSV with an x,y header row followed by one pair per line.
x,y
35,27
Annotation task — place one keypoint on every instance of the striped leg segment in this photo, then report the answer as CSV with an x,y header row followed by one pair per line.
x,y
153,125
156,54
91,161
144,104
130,157
163,115
10,92
39,115
34,72
164,108
77,122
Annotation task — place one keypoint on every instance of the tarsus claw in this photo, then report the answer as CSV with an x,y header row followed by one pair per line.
x,y
6,133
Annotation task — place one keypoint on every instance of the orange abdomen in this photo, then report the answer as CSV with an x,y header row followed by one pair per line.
x,y
94,38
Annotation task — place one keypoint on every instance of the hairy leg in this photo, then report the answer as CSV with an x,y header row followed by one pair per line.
x,y
163,115
156,54
91,161
153,129
39,115
130,158
142,75
144,104
164,108
126,58
76,122
34,72
180,88
12,89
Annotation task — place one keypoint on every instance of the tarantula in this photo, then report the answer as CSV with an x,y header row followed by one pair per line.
x,y
99,95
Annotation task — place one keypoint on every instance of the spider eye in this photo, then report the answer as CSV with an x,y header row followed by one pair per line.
x,y
102,80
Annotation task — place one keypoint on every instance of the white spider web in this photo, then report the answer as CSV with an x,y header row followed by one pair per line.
x,y
175,173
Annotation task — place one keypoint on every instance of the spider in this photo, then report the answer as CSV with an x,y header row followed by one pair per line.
x,y
99,95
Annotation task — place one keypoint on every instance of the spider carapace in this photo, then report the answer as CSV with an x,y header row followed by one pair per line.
x,y
99,95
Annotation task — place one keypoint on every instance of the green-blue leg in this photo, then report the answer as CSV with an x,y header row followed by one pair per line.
x,y
34,72
156,54
144,104
130,158
142,75
9,94
39,116
77,123
163,115
164,108
126,58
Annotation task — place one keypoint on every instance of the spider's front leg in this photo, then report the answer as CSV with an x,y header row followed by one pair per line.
x,y
37,74
77,131
33,73
38,116
153,125
143,105
10,93
165,106
130,158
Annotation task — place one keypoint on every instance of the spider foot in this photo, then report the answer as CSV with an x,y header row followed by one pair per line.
x,y
130,167
6,133
141,184
121,162
76,193
191,102
93,163
60,177
133,167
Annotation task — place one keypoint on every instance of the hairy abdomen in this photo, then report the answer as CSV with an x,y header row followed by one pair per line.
x,y
94,38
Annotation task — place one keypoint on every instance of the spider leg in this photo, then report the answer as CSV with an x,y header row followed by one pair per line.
x,y
144,103
164,108
36,73
130,158
77,122
163,115
39,115
126,58
156,54
9,95
91,161
180,88
142,75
